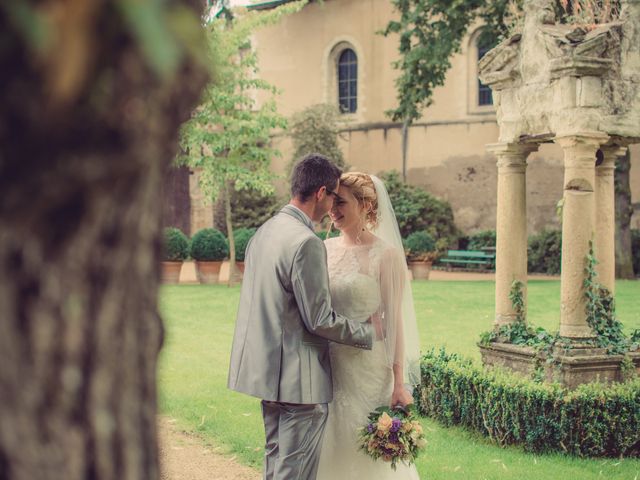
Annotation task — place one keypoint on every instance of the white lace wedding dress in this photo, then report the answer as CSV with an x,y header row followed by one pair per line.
x,y
363,280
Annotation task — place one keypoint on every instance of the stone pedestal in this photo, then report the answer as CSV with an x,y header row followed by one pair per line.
x,y
574,367
578,227
511,225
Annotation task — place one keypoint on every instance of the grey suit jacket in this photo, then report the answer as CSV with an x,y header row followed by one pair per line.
x,y
285,321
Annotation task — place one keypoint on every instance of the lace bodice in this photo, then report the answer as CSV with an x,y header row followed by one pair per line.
x,y
354,277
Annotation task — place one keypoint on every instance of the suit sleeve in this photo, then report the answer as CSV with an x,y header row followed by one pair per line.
x,y
310,281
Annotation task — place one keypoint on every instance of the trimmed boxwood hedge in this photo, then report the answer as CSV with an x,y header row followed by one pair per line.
x,y
242,237
209,245
176,245
593,420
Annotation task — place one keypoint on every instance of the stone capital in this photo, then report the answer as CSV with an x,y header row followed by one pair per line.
x,y
580,140
514,149
610,153
512,156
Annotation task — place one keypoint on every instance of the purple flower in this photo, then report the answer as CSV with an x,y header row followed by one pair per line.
x,y
393,437
370,428
396,424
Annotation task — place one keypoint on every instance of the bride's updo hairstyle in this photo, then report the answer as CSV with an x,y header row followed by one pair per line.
x,y
364,190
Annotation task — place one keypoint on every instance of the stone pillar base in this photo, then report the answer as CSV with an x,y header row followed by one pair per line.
x,y
576,366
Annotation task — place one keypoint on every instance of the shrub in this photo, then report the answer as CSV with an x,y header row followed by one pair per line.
x,y
593,420
176,245
545,252
315,130
420,246
481,240
322,234
242,237
209,245
249,209
635,251
416,210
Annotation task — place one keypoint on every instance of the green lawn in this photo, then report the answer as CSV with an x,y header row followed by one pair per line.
x,y
199,324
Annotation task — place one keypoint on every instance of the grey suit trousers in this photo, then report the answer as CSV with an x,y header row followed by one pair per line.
x,y
294,435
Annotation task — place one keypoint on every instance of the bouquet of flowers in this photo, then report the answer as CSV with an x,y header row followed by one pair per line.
x,y
393,434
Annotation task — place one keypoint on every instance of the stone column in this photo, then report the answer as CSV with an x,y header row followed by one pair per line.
x,y
578,227
511,224
605,216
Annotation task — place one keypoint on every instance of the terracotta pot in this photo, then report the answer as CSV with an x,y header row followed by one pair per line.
x,y
420,270
171,272
208,271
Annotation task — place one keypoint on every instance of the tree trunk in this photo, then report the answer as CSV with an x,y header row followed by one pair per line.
x,y
233,273
405,145
86,134
176,201
624,211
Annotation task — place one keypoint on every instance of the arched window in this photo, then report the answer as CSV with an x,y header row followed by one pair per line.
x,y
348,81
484,92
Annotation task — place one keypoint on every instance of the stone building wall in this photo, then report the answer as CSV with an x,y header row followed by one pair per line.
x,y
446,153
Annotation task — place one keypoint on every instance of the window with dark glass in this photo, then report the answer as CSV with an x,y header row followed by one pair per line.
x,y
348,81
484,92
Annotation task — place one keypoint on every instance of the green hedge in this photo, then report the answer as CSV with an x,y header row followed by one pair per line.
x,y
545,252
635,250
478,241
593,420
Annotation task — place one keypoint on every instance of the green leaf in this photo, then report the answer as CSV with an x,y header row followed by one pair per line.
x,y
149,25
30,23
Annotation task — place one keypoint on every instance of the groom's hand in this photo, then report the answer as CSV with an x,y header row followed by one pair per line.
x,y
376,321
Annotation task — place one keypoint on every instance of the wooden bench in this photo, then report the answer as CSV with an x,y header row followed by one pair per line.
x,y
480,258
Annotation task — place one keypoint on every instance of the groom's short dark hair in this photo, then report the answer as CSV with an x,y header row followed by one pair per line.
x,y
312,172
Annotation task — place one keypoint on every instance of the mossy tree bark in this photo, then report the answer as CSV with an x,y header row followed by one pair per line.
x,y
624,211
87,130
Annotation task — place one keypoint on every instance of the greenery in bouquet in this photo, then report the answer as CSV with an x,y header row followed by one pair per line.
x,y
393,435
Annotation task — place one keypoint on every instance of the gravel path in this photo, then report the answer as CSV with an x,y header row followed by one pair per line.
x,y
467,276
187,457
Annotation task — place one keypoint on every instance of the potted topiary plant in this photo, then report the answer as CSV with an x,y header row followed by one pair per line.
x,y
242,237
420,248
208,248
176,250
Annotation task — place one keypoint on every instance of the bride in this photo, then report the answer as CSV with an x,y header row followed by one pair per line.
x,y
368,278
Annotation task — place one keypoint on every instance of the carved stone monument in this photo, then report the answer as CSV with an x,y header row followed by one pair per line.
x,y
577,86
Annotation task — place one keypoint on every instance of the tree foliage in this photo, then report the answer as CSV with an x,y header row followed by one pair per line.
x,y
416,210
251,209
431,31
228,137
315,130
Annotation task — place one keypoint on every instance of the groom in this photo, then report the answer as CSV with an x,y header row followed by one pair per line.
x,y
280,348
